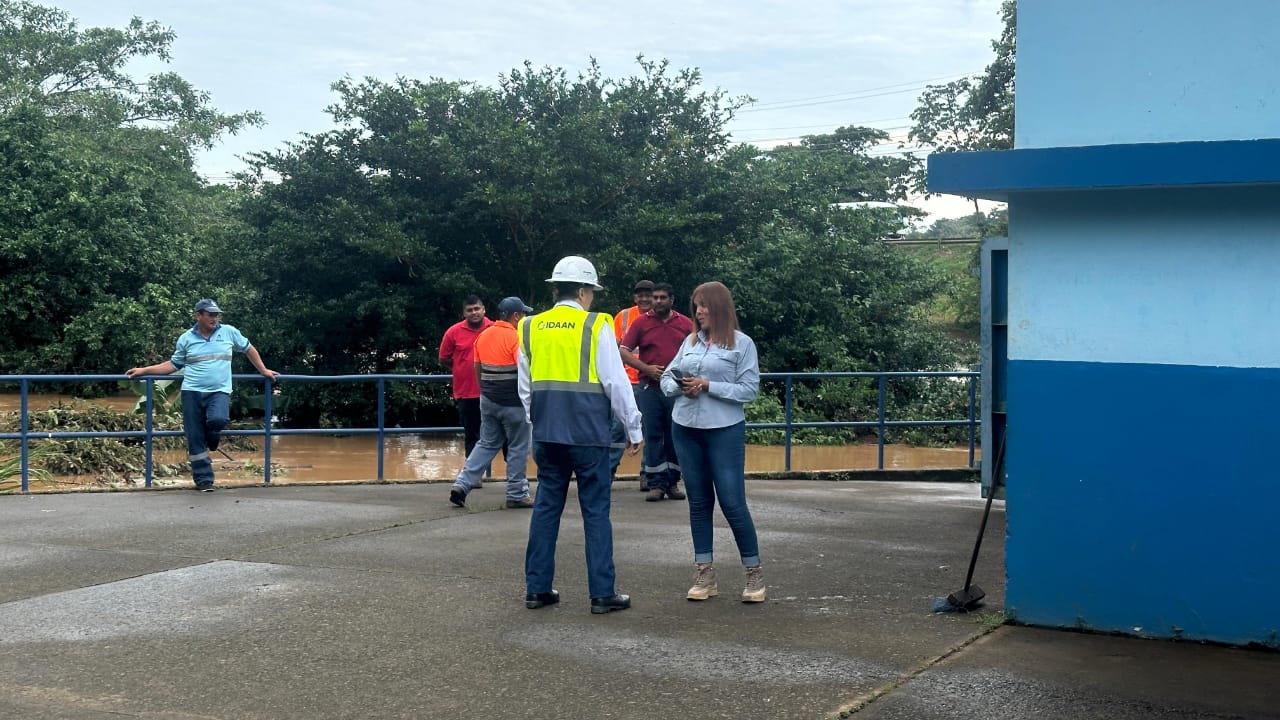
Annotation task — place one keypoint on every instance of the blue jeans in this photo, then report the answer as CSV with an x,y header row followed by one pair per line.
x,y
499,425
714,462
556,463
659,458
204,415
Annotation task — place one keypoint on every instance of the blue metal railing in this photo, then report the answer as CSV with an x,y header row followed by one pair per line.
x,y
881,423
149,433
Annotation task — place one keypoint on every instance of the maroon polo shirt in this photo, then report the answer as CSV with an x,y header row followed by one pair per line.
x,y
656,341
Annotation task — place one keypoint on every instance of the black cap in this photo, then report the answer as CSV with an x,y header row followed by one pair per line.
x,y
643,285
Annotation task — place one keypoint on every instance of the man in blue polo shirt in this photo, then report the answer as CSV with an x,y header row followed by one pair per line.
x,y
203,353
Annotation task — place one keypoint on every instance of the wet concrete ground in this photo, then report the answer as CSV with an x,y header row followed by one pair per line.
x,y
383,601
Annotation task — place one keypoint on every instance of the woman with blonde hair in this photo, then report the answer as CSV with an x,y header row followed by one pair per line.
x,y
713,376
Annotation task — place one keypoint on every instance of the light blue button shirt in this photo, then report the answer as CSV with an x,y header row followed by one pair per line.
x,y
734,376
206,364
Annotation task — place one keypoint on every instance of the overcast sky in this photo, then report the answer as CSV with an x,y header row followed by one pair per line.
x,y
810,66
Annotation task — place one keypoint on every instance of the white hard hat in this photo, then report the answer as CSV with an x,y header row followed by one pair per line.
x,y
575,269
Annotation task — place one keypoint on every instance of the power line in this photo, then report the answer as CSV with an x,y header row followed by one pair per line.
x,y
829,102
857,123
780,139
864,90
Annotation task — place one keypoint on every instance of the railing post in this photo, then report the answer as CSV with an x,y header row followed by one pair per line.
x,y
973,415
880,419
149,427
23,426
382,434
787,430
266,432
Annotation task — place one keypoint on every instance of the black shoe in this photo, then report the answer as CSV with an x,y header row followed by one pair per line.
x,y
206,488
600,606
644,485
533,601
458,497
213,441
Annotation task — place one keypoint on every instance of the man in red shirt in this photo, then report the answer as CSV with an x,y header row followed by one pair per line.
x,y
457,348
648,345
642,295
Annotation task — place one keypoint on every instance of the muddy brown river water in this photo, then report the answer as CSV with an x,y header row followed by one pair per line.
x,y
314,458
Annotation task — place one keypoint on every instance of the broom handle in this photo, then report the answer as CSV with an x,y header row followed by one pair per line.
x,y
982,528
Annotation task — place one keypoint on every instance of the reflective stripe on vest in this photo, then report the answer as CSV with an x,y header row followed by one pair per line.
x,y
569,405
497,372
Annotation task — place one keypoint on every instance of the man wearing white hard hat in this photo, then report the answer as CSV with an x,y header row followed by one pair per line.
x,y
571,382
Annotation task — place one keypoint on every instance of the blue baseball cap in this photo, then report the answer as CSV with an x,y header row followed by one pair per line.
x,y
512,305
209,306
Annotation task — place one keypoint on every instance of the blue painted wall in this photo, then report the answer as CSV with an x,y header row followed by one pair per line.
x,y
1144,330
1099,72
1142,499
1183,276
1144,339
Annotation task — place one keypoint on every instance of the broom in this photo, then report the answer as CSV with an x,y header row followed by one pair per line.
x,y
971,595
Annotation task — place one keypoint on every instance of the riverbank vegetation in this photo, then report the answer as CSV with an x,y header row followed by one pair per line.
x,y
107,462
349,251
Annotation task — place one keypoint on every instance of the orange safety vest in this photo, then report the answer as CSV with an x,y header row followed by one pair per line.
x,y
621,322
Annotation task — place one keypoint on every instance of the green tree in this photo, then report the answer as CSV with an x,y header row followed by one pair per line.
x,y
974,226
363,248
100,210
78,75
839,167
972,113
965,115
431,190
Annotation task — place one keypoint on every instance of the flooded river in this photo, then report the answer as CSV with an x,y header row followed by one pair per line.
x,y
313,458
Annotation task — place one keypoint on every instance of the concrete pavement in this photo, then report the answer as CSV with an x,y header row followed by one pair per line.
x,y
383,601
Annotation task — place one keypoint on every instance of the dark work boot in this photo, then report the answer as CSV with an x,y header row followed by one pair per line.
x,y
600,606
458,497
533,601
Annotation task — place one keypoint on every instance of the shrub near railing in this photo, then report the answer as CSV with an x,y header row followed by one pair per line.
x,y
11,468
846,391
932,398
107,458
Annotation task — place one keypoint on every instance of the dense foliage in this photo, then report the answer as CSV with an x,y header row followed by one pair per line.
x,y
957,306
100,212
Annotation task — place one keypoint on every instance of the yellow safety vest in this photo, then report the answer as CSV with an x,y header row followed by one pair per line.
x,y
569,405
